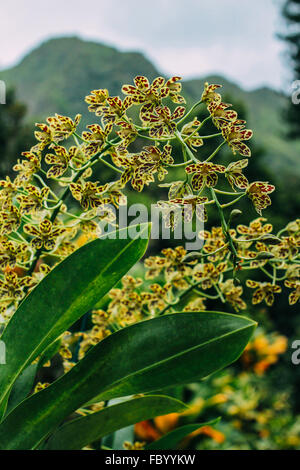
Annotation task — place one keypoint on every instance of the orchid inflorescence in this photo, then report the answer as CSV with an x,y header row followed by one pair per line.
x,y
52,206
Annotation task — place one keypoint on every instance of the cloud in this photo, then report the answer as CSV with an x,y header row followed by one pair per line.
x,y
191,38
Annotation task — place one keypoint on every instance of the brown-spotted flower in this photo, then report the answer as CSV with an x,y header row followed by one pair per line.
x,y
115,109
234,174
152,160
157,299
220,113
45,235
37,276
143,92
8,191
97,101
294,228
63,127
295,295
288,248
150,96
196,305
172,262
131,165
95,138
233,294
192,204
204,174
154,266
11,288
208,273
264,291
89,194
257,261
44,135
243,251
235,134
33,201
190,134
176,269
78,156
178,189
215,240
256,229
66,248
11,253
171,214
27,168
259,192
127,133
162,121
126,304
60,161
174,89
10,220
175,261
114,195
209,94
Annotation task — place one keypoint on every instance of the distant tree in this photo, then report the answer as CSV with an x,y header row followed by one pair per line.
x,y
291,13
15,134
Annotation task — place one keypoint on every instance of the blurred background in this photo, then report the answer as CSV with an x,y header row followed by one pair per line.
x,y
54,54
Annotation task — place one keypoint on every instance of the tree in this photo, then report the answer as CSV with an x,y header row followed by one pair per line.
x,y
15,135
291,13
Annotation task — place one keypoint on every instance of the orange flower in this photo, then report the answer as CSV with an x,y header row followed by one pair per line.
x,y
217,436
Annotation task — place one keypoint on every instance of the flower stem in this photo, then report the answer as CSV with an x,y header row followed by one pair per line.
x,y
215,152
189,112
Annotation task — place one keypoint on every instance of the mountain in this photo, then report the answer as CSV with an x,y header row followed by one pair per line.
x,y
57,75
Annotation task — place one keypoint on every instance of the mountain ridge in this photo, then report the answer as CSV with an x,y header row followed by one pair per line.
x,y
60,72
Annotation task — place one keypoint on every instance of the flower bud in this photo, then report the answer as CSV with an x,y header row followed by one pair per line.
x,y
265,255
270,239
235,214
193,256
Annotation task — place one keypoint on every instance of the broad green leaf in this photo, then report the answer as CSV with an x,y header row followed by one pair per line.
x,y
116,439
22,387
49,352
68,292
148,356
83,431
25,381
173,438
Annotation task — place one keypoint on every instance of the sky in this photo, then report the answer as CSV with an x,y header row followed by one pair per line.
x,y
191,38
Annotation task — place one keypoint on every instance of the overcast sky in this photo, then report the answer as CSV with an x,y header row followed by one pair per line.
x,y
236,38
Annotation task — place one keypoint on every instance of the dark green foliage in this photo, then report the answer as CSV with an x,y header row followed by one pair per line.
x,y
15,136
291,13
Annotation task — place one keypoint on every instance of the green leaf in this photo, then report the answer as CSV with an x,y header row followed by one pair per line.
x,y
83,431
68,292
148,356
173,438
22,387
49,352
116,439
